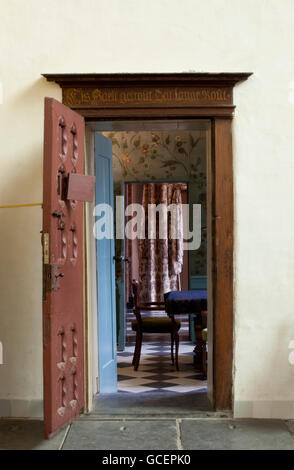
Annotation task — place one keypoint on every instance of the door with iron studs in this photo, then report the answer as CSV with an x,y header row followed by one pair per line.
x,y
64,193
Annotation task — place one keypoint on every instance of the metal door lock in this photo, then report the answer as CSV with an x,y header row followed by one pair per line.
x,y
51,278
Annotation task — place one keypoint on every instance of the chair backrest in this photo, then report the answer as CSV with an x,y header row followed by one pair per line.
x,y
144,305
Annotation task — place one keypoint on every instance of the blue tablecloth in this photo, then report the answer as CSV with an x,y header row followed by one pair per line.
x,y
185,301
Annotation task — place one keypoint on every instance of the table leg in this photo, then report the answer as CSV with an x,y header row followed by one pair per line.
x,y
176,340
172,346
204,360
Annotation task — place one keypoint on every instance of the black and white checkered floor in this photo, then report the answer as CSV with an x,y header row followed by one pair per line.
x,y
156,372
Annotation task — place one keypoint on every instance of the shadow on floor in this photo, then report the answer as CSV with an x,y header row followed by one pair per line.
x,y
27,435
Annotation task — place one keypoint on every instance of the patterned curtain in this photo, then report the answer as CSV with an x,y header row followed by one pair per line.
x,y
161,260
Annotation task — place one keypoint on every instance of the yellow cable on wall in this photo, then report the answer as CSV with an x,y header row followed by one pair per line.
x,y
11,206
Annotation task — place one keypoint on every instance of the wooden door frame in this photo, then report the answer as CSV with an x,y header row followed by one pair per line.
x,y
109,97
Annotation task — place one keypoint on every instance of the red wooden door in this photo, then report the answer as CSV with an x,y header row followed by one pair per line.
x,y
62,240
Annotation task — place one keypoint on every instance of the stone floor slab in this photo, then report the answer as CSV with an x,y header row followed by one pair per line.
x,y
119,435
236,435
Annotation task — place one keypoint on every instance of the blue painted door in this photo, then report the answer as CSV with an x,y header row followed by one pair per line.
x,y
105,267
120,287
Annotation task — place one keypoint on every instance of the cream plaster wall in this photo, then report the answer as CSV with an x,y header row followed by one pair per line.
x,y
157,36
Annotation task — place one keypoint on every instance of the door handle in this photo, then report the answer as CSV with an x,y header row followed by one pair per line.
x,y
121,258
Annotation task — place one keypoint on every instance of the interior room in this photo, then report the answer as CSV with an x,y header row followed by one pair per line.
x,y
159,163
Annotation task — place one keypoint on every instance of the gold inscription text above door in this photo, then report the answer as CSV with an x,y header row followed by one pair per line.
x,y
124,97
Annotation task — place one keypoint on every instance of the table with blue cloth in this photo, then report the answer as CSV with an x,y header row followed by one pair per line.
x,y
179,302
191,302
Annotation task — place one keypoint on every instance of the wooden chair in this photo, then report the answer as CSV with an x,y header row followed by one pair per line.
x,y
162,324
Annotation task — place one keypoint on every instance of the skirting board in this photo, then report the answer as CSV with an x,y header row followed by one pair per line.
x,y
264,409
21,408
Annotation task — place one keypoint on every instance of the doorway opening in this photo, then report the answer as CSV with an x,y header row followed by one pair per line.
x,y
170,101
152,158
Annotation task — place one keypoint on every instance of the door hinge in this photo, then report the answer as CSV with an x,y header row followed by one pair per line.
x,y
45,248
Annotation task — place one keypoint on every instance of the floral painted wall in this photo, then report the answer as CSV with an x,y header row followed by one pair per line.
x,y
164,156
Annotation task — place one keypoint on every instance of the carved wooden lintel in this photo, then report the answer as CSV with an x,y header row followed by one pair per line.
x,y
94,95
